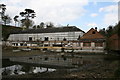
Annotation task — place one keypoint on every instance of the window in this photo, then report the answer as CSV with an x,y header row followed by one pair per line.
x,y
98,44
21,44
30,38
64,39
93,32
87,44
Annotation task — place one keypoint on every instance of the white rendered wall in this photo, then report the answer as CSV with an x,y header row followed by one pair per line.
x,y
40,36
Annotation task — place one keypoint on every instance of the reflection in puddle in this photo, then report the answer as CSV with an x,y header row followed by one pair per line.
x,y
19,70
88,66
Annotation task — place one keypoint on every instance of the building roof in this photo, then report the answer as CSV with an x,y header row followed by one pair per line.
x,y
114,36
49,30
92,34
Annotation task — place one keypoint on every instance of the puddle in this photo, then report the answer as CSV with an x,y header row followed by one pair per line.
x,y
20,70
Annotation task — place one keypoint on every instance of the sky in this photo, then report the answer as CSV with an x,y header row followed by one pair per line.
x,y
84,14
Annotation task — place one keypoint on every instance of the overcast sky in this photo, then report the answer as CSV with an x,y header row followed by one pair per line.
x,y
84,14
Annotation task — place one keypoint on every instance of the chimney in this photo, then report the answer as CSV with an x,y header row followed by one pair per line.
x,y
95,28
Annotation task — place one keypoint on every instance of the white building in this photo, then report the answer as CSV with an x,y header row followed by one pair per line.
x,y
68,38
48,34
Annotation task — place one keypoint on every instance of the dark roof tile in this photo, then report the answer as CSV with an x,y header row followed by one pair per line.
x,y
49,30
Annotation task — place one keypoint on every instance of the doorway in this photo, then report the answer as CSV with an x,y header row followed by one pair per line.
x,y
46,39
